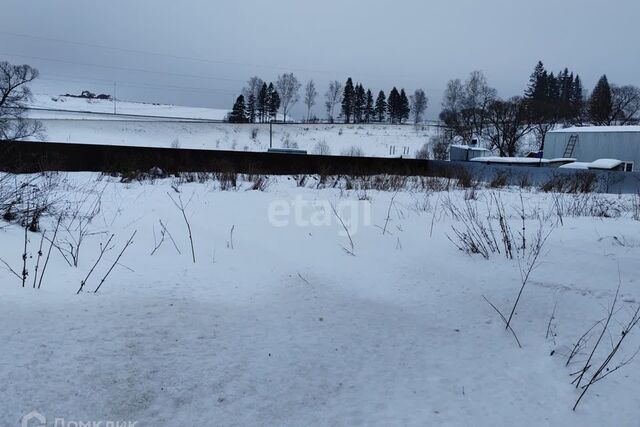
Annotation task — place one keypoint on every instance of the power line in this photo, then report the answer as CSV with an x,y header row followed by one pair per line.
x,y
115,67
137,85
183,58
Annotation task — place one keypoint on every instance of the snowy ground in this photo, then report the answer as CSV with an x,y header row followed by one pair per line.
x,y
275,324
52,102
372,140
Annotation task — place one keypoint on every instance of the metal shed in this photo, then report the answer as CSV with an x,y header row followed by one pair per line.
x,y
587,144
463,153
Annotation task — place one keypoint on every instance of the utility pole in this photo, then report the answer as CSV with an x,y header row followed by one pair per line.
x,y
271,133
115,108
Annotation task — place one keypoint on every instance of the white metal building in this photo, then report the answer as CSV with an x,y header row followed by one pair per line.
x,y
591,143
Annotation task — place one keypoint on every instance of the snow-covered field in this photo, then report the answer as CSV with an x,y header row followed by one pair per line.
x,y
371,140
51,102
277,324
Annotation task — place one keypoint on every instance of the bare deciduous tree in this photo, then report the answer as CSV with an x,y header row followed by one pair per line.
x,y
464,106
333,98
288,88
310,95
507,123
419,102
251,93
14,95
626,104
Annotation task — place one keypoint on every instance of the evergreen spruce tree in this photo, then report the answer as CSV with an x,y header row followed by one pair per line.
x,y
274,102
347,100
369,108
536,82
238,113
577,101
262,103
405,108
381,106
359,102
393,106
601,103
251,108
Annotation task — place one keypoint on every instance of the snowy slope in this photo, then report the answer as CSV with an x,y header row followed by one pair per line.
x,y
160,131
43,101
276,325
372,140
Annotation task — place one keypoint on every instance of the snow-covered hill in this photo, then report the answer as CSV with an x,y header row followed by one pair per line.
x,y
43,101
368,140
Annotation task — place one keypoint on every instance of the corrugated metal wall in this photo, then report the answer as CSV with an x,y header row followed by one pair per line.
x,y
592,146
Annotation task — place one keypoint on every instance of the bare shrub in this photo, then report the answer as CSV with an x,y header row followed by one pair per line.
x,y
258,182
322,148
227,180
440,146
466,179
592,372
287,142
583,182
254,133
353,151
499,180
423,152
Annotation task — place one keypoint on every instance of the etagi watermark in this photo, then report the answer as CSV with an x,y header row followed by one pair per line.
x,y
36,419
351,215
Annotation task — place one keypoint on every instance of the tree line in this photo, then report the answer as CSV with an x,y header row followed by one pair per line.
x,y
350,103
472,110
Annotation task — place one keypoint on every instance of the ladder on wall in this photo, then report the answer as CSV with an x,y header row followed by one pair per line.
x,y
571,145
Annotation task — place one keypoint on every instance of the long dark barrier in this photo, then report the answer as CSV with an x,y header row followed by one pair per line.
x,y
34,157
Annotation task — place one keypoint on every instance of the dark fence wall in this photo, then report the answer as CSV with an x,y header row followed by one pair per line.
x,y
33,157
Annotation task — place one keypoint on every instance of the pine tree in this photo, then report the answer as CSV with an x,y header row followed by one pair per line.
x,y
393,106
369,109
238,113
536,81
405,108
274,102
251,108
347,100
577,100
262,103
601,103
381,106
359,101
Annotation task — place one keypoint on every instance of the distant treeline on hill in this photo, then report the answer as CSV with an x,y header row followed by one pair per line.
x,y
351,103
471,110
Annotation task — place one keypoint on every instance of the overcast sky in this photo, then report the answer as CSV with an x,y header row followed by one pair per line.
x,y
199,52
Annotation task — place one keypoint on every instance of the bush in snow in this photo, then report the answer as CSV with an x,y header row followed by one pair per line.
x,y
288,143
322,148
254,133
440,146
175,143
423,153
353,151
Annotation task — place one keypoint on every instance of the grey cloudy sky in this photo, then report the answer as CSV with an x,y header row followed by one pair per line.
x,y
197,52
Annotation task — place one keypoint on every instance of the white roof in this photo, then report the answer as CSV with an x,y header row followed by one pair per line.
x,y
605,164
511,160
468,147
597,164
576,165
601,129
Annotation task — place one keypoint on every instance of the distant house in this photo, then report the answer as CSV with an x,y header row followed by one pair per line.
x,y
591,143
